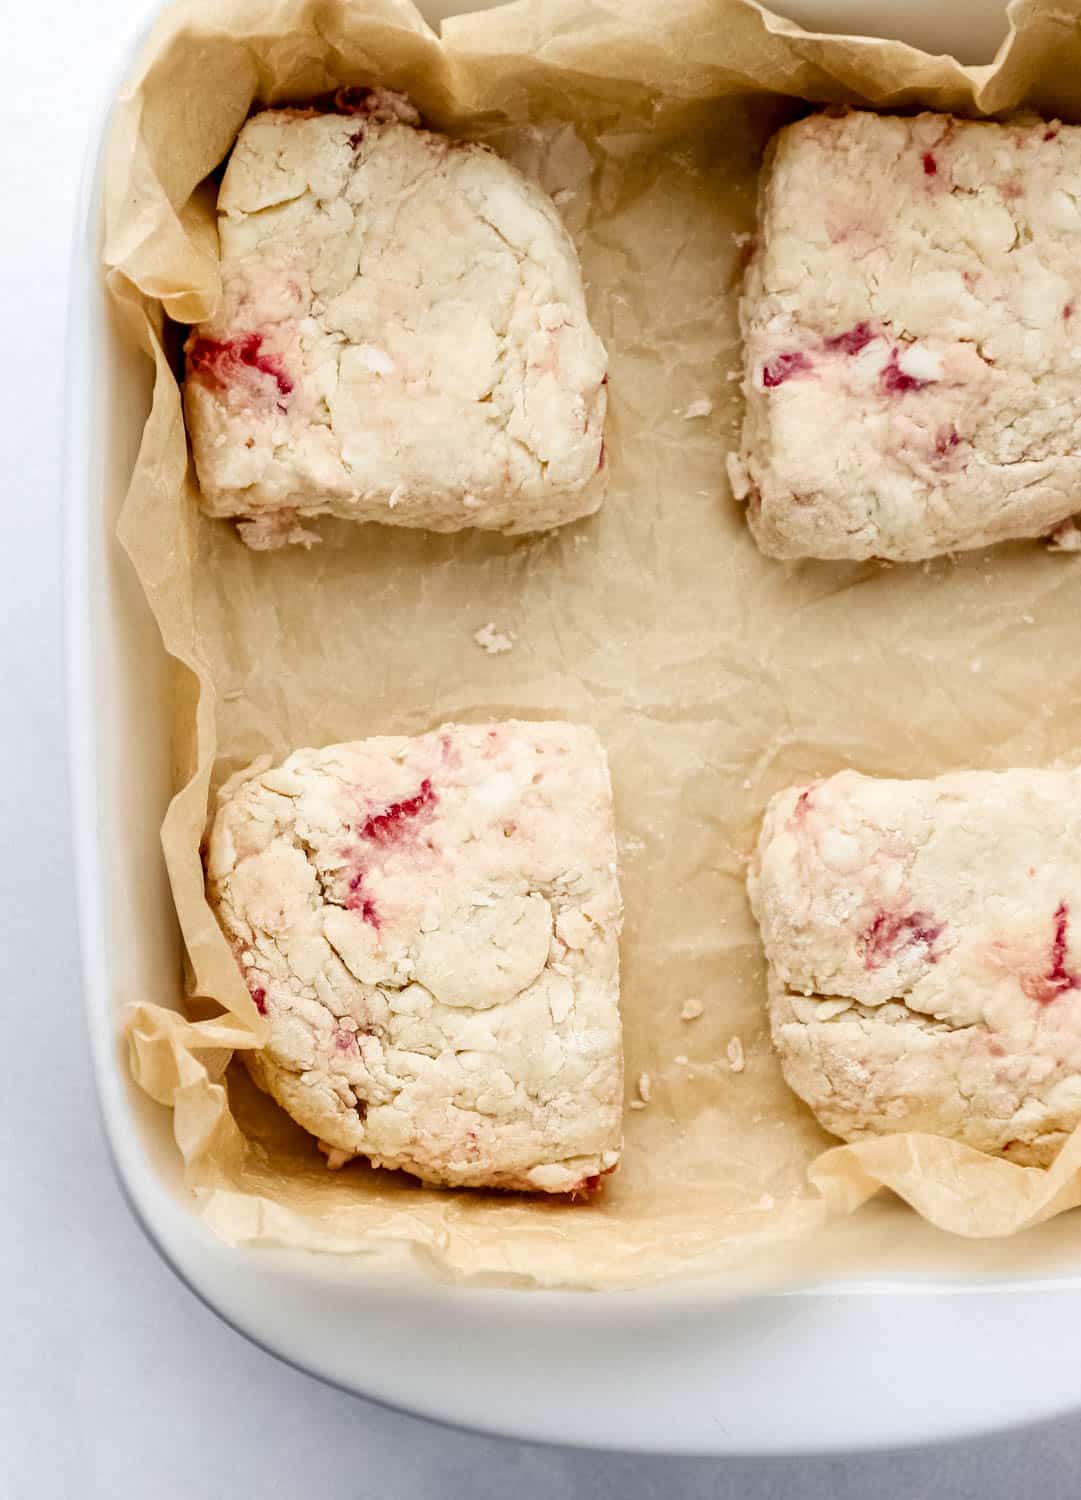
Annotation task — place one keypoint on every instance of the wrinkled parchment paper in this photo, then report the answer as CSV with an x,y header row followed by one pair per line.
x,y
714,675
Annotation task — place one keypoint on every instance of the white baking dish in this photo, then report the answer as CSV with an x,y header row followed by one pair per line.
x,y
683,1370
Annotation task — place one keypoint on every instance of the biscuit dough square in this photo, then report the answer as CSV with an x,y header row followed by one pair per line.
x,y
431,927
911,319
924,949
402,336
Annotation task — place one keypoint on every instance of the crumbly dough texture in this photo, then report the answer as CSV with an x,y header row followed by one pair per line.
x,y
402,336
431,927
925,955
911,319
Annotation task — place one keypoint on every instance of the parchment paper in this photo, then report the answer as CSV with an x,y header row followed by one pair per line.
x,y
713,675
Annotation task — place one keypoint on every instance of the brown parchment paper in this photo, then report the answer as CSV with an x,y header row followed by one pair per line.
x,y
713,675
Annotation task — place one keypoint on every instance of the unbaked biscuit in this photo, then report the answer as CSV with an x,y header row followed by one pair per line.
x,y
912,337
925,956
402,336
431,928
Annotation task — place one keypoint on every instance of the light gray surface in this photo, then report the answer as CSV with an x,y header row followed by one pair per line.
x,y
98,1341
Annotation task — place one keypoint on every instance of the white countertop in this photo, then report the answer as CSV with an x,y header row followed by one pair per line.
x,y
99,1340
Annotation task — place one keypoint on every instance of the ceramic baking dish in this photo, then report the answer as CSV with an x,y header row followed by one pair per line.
x,y
687,1369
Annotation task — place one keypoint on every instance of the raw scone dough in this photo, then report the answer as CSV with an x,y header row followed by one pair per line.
x,y
402,336
925,954
912,337
431,926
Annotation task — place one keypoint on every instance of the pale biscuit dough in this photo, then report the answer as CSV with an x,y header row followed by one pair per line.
x,y
912,337
925,956
431,927
402,336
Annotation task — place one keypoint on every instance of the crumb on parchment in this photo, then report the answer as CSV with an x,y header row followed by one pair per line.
x,y
692,1009
1066,538
494,641
336,1157
734,1053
